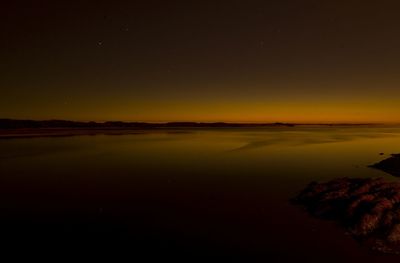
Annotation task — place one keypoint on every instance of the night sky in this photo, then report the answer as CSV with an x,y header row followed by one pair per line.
x,y
235,61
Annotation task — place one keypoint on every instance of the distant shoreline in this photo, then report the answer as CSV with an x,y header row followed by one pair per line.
x,y
33,124
14,129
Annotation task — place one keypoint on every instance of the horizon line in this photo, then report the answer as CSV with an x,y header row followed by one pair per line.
x,y
208,122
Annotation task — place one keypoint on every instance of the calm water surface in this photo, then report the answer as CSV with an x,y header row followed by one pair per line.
x,y
186,193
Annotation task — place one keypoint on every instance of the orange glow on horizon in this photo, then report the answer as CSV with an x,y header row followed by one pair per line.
x,y
382,111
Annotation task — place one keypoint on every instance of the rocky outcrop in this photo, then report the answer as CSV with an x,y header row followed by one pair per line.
x,y
390,165
368,208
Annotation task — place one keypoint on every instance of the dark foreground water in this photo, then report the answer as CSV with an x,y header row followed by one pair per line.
x,y
185,194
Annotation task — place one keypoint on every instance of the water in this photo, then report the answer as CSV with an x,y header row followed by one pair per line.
x,y
187,193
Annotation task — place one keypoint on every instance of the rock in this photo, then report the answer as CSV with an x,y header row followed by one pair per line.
x,y
390,165
394,234
368,208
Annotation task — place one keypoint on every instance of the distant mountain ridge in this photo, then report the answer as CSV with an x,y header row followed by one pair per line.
x,y
21,124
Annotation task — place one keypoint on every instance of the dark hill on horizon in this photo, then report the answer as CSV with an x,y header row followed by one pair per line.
x,y
22,124
43,124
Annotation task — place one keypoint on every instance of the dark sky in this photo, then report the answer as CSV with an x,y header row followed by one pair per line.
x,y
236,60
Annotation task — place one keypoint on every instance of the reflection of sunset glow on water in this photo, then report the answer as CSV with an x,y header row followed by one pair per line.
x,y
226,185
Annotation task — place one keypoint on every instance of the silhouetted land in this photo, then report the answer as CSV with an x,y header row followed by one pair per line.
x,y
10,128
390,165
22,124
